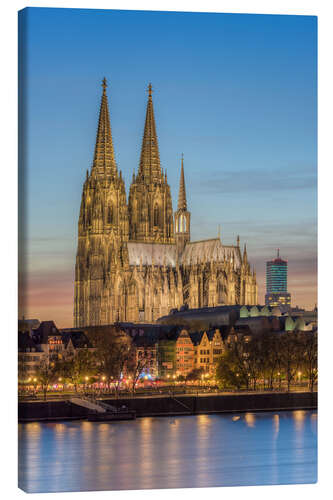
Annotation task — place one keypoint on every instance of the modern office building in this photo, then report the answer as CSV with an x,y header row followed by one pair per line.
x,y
277,284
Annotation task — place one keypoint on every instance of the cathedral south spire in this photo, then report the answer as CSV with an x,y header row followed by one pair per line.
x,y
149,201
150,168
104,163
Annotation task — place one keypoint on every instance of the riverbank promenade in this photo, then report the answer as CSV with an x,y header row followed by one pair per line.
x,y
169,404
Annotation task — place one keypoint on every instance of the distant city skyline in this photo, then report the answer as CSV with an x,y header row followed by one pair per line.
x,y
235,93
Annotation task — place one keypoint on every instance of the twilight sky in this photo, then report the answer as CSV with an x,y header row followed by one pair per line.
x,y
237,94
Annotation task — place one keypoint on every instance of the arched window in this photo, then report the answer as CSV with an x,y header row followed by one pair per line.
x,y
156,215
110,215
221,292
182,223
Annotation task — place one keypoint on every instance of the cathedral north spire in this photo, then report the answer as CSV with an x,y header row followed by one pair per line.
x,y
150,168
104,163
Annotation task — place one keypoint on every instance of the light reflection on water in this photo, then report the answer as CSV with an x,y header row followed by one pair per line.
x,y
169,452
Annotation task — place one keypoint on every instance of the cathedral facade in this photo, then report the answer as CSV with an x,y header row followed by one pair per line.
x,y
135,259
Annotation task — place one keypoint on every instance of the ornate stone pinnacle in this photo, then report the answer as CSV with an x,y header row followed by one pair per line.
x,y
104,84
150,90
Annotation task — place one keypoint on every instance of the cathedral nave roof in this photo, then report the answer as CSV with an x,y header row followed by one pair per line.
x,y
158,254
200,252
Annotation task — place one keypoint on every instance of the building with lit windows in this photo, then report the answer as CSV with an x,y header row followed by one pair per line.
x,y
277,284
184,353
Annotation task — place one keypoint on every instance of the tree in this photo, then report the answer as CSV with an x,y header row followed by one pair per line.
x,y
77,368
231,368
290,355
309,349
136,365
113,353
45,376
195,374
254,359
273,357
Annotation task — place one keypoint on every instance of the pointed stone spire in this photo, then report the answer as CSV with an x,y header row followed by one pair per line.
x,y
238,240
182,204
104,162
150,168
245,254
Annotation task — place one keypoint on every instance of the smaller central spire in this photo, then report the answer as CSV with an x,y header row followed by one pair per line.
x,y
182,204
150,90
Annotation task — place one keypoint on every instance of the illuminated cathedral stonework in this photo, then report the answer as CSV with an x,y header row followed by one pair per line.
x,y
135,260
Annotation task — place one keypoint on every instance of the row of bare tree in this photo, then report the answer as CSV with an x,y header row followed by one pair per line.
x,y
113,357
270,359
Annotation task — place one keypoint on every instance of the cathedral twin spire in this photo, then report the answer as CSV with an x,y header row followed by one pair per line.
x,y
104,163
150,168
150,215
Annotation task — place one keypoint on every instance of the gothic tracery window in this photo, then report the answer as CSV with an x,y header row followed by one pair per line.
x,y
156,215
221,292
110,215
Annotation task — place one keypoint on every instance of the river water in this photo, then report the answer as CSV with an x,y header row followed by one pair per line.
x,y
169,452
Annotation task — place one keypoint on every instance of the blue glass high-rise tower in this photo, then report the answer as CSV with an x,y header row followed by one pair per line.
x,y
277,284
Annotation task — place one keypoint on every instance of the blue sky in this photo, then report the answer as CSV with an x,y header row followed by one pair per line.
x,y
237,94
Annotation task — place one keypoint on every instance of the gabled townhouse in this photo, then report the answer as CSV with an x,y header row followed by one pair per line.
x,y
49,339
185,353
209,348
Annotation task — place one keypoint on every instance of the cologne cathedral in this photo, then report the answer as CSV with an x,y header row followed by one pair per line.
x,y
135,259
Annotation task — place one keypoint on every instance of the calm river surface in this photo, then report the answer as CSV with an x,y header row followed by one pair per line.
x,y
169,452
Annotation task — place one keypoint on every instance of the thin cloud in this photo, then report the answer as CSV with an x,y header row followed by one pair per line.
x,y
257,180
